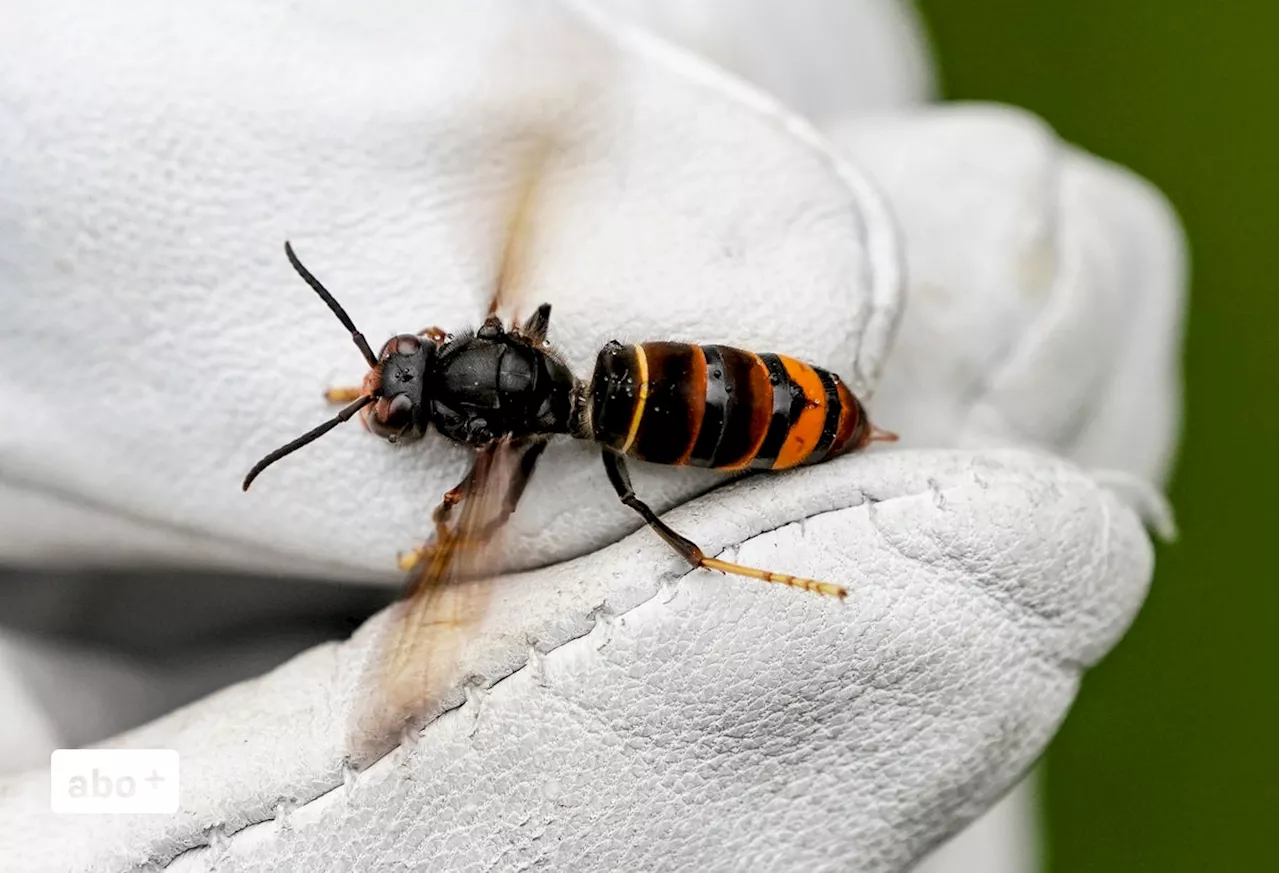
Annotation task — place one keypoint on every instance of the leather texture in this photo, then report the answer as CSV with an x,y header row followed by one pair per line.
x,y
618,712
647,229
823,60
1046,289
637,716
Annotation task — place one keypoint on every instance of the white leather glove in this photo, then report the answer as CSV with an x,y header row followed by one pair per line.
x,y
633,713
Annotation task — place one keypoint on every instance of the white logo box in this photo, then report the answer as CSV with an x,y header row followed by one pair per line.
x,y
113,781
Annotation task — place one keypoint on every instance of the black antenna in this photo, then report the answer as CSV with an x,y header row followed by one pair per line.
x,y
307,437
356,336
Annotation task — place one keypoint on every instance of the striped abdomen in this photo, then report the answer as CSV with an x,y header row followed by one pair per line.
x,y
716,406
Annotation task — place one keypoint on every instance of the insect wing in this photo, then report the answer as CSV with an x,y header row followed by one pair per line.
x,y
415,662
524,218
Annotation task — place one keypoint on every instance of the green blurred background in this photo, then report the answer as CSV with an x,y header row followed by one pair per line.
x,y
1163,763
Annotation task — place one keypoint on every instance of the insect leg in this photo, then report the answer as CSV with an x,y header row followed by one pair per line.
x,y
616,468
452,497
436,335
343,394
515,490
440,517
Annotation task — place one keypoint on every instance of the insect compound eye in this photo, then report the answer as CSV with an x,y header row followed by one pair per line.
x,y
392,416
406,344
399,412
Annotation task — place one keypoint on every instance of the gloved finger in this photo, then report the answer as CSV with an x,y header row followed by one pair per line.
x,y
1044,307
824,60
159,342
738,720
1047,290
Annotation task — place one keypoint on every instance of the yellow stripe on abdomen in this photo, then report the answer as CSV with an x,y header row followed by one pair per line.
x,y
642,394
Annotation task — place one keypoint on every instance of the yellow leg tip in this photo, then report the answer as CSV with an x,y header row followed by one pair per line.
x,y
825,589
342,395
415,558
410,560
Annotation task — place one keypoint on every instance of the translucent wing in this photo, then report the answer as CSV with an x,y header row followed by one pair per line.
x,y
552,125
415,662
524,218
